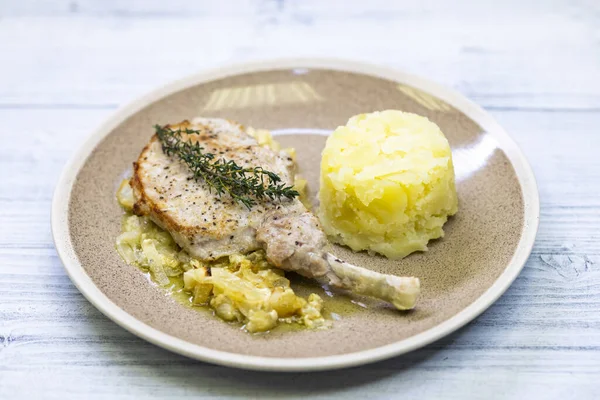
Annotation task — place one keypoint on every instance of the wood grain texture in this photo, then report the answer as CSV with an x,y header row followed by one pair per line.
x,y
66,65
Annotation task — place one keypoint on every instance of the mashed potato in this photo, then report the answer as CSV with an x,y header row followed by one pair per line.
x,y
387,183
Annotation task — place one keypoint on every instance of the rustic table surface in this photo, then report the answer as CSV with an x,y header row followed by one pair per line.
x,y
66,65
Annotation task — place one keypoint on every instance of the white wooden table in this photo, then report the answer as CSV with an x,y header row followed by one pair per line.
x,y
65,65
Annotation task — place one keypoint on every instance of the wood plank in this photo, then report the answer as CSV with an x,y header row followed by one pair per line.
x,y
67,64
106,53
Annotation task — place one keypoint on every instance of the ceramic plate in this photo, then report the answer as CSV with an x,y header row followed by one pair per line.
x,y
301,101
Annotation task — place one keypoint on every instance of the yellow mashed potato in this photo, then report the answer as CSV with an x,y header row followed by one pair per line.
x,y
387,183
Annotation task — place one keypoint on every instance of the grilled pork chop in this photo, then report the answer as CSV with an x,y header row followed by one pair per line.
x,y
210,226
207,226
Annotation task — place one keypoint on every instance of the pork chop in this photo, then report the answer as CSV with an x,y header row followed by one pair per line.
x,y
207,226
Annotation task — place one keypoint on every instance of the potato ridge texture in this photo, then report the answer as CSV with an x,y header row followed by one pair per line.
x,y
387,183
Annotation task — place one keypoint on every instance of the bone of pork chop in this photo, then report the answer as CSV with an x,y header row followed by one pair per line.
x,y
294,241
210,227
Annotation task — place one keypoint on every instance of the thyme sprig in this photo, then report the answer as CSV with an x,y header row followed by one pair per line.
x,y
245,185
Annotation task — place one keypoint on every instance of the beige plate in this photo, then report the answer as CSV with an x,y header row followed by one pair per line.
x,y
486,243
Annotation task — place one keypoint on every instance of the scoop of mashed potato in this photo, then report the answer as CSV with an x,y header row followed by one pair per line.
x,y
387,183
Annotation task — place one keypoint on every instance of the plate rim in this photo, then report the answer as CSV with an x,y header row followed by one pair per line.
x,y
75,271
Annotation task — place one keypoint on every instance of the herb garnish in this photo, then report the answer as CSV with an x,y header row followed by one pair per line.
x,y
245,185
